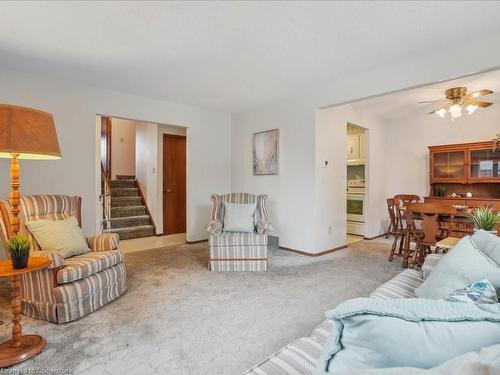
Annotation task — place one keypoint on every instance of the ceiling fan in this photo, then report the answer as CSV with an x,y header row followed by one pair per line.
x,y
456,99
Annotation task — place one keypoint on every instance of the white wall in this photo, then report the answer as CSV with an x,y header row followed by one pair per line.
x,y
122,147
408,158
293,202
291,198
146,163
331,180
78,172
149,166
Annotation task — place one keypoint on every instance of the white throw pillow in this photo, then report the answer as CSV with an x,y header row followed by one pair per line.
x,y
64,236
239,217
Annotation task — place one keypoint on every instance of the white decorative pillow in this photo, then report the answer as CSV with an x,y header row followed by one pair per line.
x,y
64,236
239,217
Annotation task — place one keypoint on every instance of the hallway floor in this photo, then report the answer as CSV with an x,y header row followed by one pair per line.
x,y
153,242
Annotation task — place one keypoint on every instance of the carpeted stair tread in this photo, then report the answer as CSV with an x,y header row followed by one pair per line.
x,y
134,232
122,184
128,211
126,201
125,192
129,216
129,221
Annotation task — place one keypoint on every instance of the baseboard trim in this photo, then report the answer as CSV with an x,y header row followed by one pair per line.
x,y
313,254
194,242
372,238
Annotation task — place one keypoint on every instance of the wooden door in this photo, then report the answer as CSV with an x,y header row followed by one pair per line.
x,y
174,184
106,146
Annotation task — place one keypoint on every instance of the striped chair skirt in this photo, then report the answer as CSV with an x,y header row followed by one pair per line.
x,y
85,283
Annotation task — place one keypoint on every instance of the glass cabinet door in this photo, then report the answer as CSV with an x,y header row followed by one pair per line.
x,y
484,164
449,165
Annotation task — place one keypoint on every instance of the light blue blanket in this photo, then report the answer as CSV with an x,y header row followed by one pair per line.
x,y
419,333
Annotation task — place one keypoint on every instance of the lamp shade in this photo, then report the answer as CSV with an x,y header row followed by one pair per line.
x,y
28,133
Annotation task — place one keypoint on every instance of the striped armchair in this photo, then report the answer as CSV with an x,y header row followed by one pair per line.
x,y
235,251
73,287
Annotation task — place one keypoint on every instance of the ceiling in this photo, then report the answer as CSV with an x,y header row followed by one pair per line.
x,y
403,104
229,56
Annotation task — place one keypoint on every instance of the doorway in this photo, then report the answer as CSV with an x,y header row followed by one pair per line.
x,y
174,184
356,160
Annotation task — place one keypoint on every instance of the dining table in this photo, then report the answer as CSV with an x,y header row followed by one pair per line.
x,y
454,219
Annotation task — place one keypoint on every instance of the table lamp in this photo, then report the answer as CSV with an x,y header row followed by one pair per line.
x,y
25,133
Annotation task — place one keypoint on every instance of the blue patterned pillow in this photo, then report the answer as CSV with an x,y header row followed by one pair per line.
x,y
476,293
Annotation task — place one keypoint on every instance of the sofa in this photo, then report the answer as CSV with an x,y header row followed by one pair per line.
x,y
238,251
301,356
73,287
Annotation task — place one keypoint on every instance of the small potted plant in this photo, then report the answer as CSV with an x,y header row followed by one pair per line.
x,y
440,190
485,218
19,247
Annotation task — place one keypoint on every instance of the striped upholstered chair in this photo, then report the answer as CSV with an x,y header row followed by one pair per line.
x,y
238,251
73,287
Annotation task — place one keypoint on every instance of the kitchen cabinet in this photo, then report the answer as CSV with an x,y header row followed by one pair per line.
x,y
356,146
466,168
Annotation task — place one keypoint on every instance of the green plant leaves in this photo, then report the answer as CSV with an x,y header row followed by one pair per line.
x,y
485,218
19,246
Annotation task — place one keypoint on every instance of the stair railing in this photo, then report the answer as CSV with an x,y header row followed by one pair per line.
x,y
105,199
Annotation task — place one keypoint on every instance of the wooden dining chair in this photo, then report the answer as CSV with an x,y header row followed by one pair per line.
x,y
395,227
407,199
431,228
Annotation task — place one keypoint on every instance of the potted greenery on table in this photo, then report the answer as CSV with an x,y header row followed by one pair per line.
x,y
19,247
485,218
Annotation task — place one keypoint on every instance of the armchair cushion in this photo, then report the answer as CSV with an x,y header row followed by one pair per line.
x,y
64,236
215,227
239,217
54,256
104,242
237,239
82,266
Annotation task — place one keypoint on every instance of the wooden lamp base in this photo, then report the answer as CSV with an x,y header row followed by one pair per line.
x,y
30,345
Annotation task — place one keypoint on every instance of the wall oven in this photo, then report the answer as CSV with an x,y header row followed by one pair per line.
x,y
356,207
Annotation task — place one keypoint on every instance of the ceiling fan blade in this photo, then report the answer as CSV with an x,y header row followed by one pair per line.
x,y
483,92
432,101
475,102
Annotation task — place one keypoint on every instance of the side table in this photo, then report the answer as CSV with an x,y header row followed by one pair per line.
x,y
20,347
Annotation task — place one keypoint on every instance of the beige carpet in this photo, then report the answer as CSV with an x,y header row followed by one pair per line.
x,y
179,318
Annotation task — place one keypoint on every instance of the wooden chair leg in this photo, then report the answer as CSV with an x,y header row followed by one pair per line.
x,y
401,245
416,254
393,247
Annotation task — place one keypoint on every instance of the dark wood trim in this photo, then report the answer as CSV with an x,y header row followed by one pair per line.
x,y
193,242
151,221
313,254
107,123
372,238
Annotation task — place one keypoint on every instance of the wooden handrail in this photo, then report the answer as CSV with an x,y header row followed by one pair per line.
x,y
105,199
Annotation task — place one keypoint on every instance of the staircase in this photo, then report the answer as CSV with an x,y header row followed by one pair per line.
x,y
129,216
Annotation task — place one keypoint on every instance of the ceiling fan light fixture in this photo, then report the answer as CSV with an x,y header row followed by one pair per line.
x,y
471,108
458,100
455,111
441,113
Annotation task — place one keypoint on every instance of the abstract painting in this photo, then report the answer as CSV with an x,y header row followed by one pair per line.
x,y
265,152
